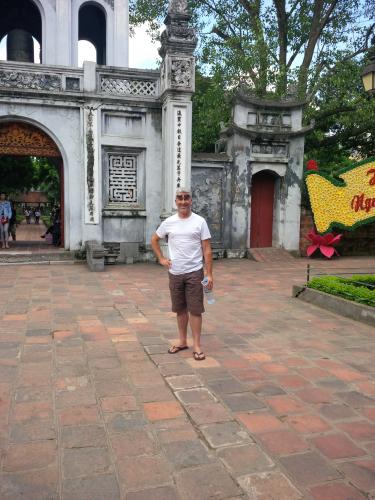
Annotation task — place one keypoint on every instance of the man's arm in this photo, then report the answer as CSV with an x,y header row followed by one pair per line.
x,y
207,254
157,251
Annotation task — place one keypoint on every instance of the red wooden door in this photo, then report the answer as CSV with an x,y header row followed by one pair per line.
x,y
62,232
262,199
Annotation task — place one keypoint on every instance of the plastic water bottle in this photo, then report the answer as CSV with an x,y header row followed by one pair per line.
x,y
208,293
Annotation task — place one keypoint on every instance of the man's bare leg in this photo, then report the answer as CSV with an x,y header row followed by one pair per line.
x,y
182,323
196,329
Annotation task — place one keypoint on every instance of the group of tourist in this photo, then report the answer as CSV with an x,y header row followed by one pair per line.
x,y
8,222
32,212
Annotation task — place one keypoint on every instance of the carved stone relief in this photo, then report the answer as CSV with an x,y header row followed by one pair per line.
x,y
177,7
22,139
36,81
90,164
122,178
270,148
207,188
181,72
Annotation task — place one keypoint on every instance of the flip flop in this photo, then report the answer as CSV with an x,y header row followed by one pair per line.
x,y
177,348
199,356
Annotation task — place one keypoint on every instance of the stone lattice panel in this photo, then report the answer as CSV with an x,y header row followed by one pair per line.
x,y
125,86
122,181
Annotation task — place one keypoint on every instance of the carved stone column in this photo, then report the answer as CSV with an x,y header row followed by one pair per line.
x,y
91,165
178,42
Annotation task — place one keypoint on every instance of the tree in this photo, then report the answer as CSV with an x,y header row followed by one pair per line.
x,y
275,46
16,173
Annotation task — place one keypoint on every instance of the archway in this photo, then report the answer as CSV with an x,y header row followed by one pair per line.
x,y
92,27
21,23
262,209
21,140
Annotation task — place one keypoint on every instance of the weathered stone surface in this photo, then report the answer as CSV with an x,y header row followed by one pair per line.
x,y
269,485
195,396
309,468
83,436
142,472
187,454
224,434
91,488
245,459
244,401
85,461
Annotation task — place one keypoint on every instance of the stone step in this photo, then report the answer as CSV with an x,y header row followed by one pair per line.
x,y
19,257
270,254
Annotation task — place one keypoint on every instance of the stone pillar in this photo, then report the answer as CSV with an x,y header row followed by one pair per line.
x,y
121,34
178,42
63,33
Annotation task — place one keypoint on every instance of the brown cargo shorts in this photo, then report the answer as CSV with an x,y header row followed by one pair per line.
x,y
187,292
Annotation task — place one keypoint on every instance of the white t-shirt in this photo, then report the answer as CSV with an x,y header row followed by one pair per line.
x,y
185,238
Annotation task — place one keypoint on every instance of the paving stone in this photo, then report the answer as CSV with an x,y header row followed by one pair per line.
x,y
244,401
214,373
133,443
337,446
268,390
187,454
42,485
361,473
83,436
195,396
27,456
283,442
77,397
209,362
184,382
309,468
356,399
34,410
336,411
118,423
119,403
153,394
152,341
245,459
162,410
142,472
177,368
308,423
28,394
260,422
224,434
98,487
272,485
204,482
335,491
40,430
207,413
85,461
161,493
112,388
359,430
315,395
284,405
228,385
78,415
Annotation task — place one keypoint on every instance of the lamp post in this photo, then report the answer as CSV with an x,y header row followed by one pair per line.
x,y
368,73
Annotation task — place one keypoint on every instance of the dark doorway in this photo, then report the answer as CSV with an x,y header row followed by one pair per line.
x,y
262,203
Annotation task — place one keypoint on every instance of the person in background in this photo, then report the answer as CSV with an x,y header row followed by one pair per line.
x,y
37,215
5,216
13,222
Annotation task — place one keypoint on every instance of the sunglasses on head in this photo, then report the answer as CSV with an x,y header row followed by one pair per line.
x,y
184,197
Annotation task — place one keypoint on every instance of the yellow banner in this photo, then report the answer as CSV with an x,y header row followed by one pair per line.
x,y
344,203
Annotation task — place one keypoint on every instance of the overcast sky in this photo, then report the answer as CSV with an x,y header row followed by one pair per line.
x,y
142,52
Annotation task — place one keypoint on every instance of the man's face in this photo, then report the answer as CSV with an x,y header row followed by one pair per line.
x,y
183,204
2,196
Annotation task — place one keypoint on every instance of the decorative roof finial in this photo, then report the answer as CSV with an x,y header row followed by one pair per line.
x,y
177,7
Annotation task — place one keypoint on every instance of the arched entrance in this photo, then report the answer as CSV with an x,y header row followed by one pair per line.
x,y
21,139
262,207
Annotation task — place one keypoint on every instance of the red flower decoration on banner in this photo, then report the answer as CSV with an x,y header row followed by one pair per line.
x,y
312,165
324,243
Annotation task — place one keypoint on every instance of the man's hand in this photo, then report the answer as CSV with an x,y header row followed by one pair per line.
x,y
210,283
165,262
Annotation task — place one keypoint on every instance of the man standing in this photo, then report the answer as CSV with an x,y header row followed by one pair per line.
x,y
189,240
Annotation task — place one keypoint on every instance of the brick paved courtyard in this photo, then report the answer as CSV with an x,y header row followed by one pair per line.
x,y
92,407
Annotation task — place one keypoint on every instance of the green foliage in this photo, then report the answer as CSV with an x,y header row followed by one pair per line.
x,y
210,108
346,287
21,174
16,174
